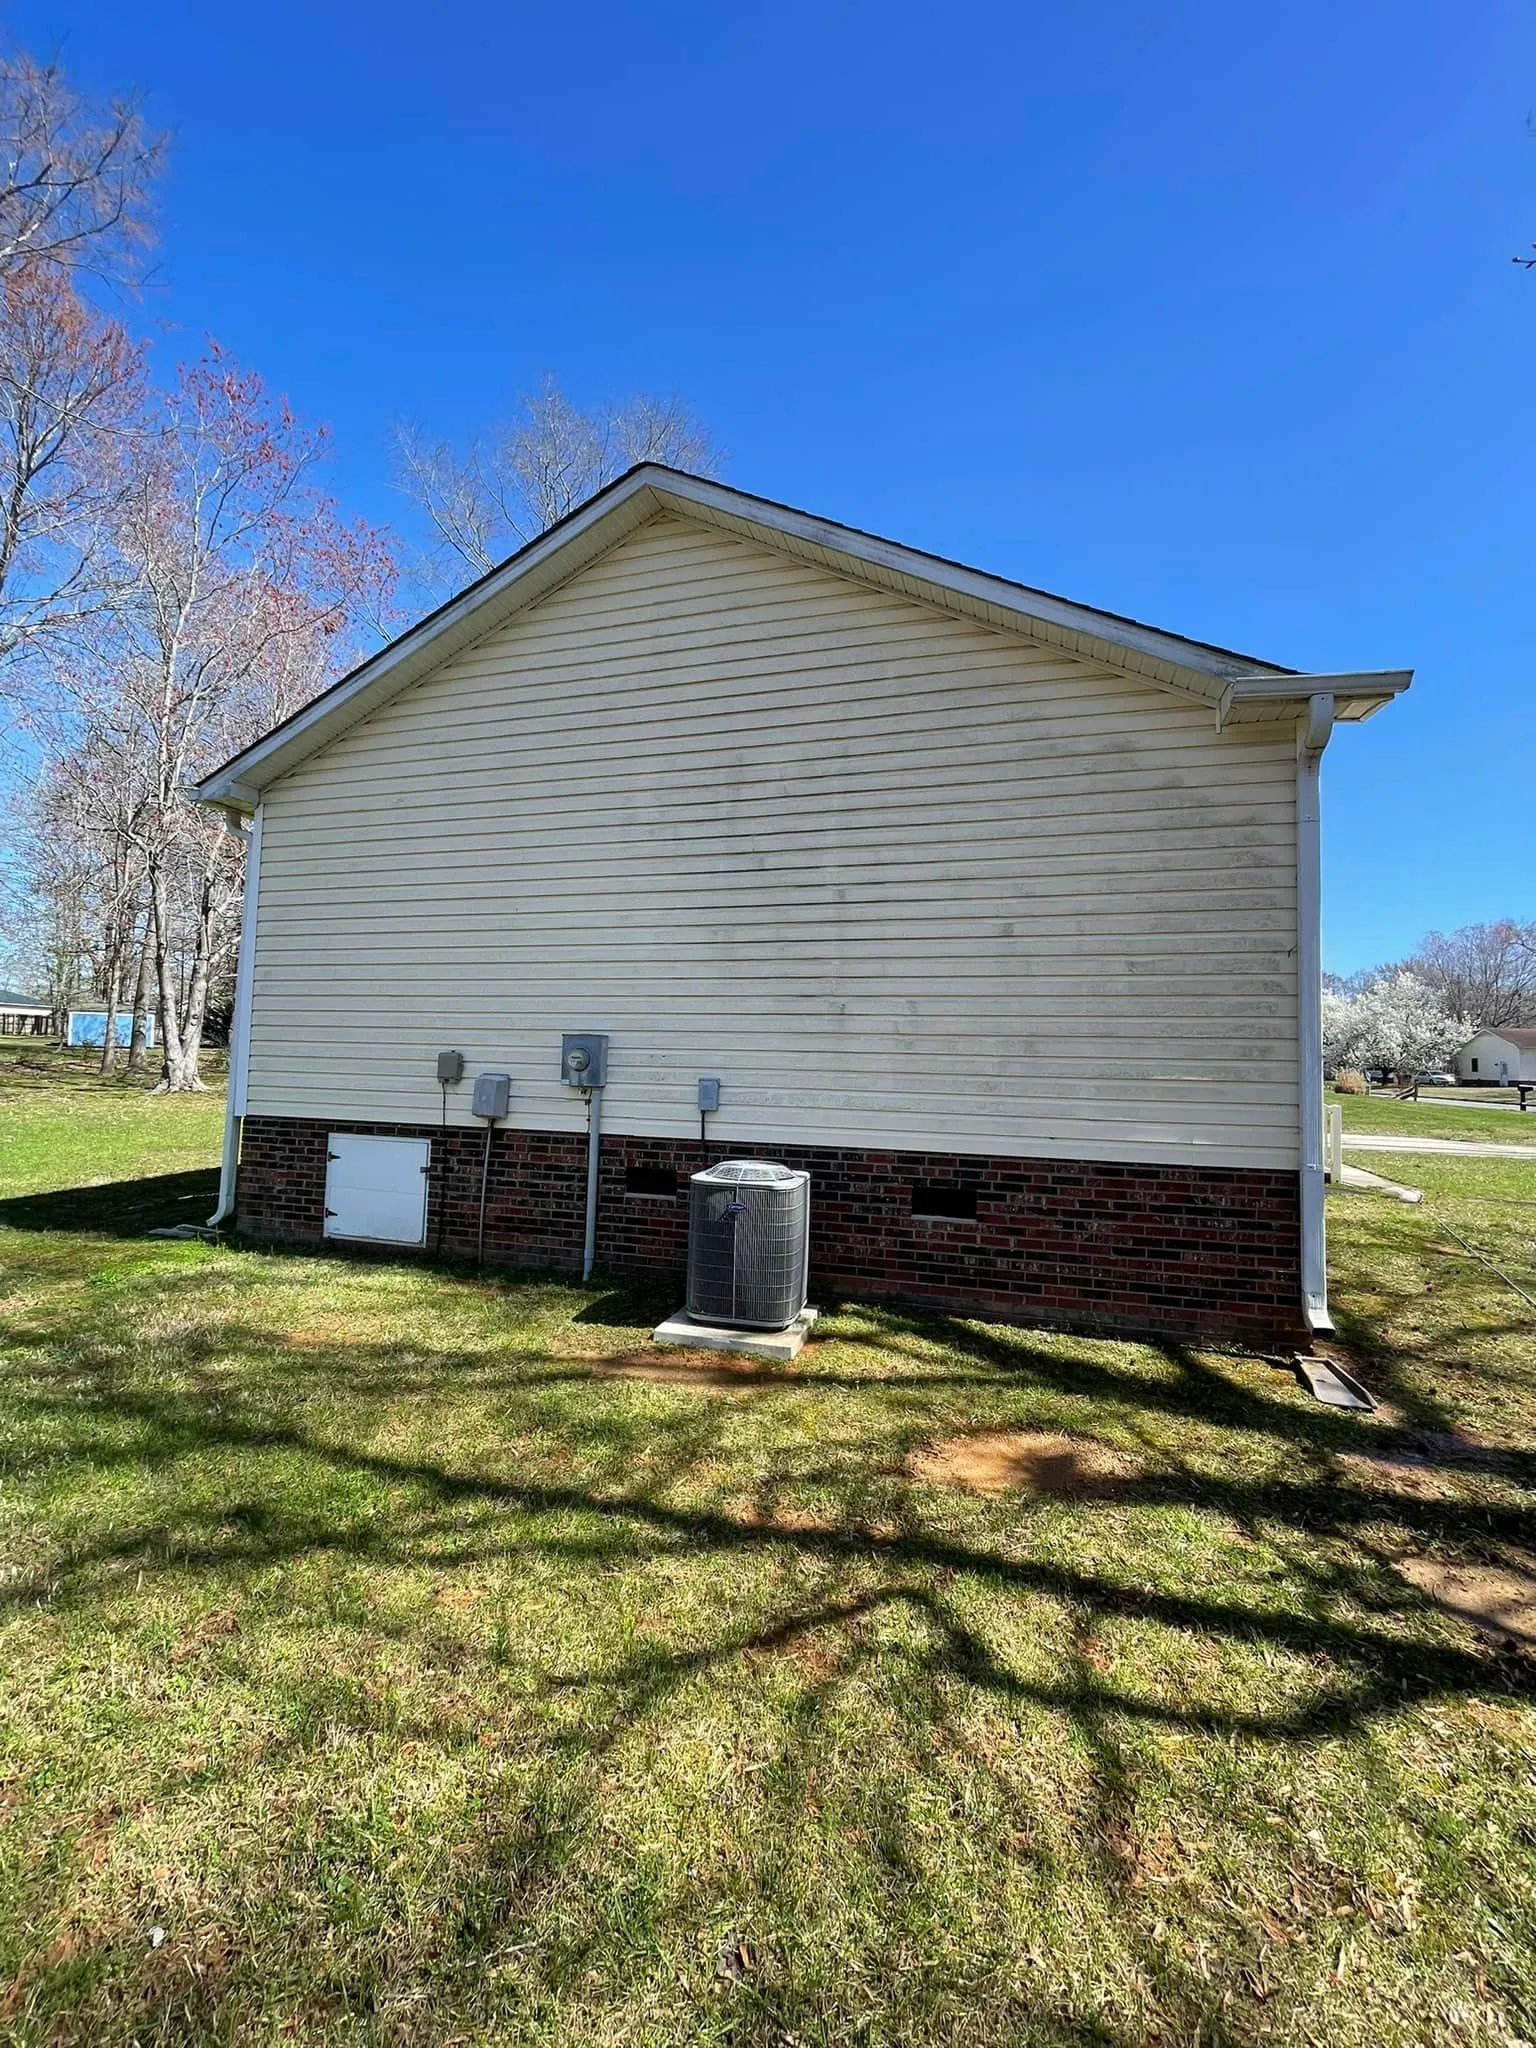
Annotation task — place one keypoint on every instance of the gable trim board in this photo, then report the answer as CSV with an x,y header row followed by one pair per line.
x,y
854,828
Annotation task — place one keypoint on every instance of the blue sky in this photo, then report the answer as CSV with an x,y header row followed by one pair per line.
x,y
1200,312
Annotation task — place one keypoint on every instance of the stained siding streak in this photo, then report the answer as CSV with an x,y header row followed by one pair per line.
x,y
898,879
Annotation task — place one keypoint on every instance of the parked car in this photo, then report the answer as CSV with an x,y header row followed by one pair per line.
x,y
1438,1079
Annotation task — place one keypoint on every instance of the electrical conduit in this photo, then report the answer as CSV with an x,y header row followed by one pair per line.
x,y
594,1139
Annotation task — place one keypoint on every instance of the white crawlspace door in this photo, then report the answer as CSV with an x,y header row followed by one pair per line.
x,y
377,1188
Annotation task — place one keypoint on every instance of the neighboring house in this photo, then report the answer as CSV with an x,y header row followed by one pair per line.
x,y
89,1027
995,912
1494,1057
23,1016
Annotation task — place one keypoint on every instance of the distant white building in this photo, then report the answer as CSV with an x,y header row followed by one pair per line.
x,y
1495,1057
24,1016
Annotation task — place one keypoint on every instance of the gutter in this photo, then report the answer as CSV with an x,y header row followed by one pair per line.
x,y
240,1024
1312,734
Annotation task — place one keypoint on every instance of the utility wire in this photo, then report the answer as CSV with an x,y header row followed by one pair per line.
x,y
1483,1260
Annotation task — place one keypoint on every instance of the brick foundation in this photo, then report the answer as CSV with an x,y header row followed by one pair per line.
x,y
1176,1251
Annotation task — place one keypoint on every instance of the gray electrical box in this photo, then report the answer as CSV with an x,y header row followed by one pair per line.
x,y
493,1095
709,1095
584,1059
450,1068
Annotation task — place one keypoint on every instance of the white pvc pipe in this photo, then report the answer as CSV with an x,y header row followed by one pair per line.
x,y
594,1140
1311,739
240,1028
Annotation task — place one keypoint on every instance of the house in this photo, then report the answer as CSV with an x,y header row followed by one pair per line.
x,y
23,1016
995,912
1494,1057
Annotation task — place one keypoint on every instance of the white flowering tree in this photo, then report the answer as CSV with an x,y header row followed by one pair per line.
x,y
1397,1022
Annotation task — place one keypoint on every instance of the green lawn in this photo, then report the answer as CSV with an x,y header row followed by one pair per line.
x,y
63,1127
392,1657
1437,1114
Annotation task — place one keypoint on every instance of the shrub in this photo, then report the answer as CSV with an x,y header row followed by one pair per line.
x,y
1348,1082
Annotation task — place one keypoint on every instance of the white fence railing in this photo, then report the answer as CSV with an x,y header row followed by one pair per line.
x,y
1333,1141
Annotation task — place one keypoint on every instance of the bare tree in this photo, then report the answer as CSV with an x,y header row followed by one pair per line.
x,y
512,486
75,184
70,383
84,799
1483,971
75,180
49,897
236,591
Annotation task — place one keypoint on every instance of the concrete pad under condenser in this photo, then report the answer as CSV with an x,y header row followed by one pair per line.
x,y
778,1345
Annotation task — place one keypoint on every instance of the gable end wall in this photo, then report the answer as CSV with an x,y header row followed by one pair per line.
x,y
901,882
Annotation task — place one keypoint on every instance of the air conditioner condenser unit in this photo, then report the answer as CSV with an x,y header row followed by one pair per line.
x,y
749,1240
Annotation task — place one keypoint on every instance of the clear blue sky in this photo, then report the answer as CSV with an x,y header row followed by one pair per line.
x,y
1201,312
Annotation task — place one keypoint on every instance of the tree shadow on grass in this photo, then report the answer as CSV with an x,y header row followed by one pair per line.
x,y
1349,1640
1374,1669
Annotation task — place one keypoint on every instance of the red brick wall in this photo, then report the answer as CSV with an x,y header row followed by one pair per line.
x,y
1208,1252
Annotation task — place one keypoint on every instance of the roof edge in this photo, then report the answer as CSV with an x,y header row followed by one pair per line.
x,y
1209,674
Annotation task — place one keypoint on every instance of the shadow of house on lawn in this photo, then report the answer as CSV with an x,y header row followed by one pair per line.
x,y
120,1208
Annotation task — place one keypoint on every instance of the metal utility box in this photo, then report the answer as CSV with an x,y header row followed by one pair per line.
x,y
450,1068
584,1059
709,1095
493,1095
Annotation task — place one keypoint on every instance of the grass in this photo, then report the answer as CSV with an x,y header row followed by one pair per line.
x,y
1438,1116
384,1663
64,1127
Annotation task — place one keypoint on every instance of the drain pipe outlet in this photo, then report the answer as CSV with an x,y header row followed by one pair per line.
x,y
594,1141
1311,738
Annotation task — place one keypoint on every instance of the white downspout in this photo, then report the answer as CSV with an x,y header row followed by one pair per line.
x,y
1311,738
240,1028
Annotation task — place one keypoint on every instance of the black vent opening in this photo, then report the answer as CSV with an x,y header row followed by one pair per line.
x,y
651,1180
943,1198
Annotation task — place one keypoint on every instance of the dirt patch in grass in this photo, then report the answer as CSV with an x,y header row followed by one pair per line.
x,y
1497,1599
1399,1472
691,1369
323,1332
793,1521
789,1521
1025,1461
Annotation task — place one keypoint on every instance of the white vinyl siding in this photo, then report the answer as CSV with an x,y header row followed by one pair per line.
x,y
899,880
